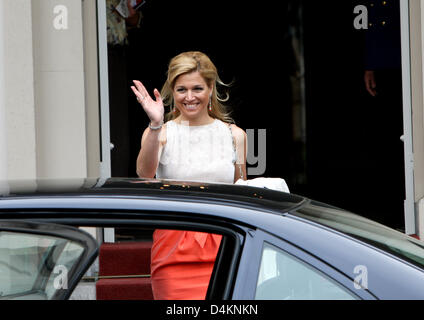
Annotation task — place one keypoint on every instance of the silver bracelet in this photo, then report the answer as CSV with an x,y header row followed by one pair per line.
x,y
155,128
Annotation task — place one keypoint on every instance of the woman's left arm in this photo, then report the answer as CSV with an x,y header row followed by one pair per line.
x,y
240,138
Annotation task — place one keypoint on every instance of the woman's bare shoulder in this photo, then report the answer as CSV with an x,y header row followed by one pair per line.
x,y
238,132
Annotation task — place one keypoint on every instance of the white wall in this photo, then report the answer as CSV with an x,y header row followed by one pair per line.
x,y
91,72
59,90
3,138
417,89
44,110
49,107
19,89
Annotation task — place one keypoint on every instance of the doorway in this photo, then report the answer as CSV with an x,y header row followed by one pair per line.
x,y
297,69
355,157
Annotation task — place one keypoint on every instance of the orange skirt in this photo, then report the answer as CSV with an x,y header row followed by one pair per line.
x,y
182,264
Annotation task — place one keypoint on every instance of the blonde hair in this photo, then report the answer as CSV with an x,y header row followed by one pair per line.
x,y
188,62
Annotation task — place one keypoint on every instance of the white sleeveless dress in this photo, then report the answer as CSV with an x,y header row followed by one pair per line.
x,y
198,153
182,261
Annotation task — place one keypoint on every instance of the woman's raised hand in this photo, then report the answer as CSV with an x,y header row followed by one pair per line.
x,y
153,108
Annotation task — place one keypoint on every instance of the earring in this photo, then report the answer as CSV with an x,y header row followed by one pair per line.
x,y
210,104
173,108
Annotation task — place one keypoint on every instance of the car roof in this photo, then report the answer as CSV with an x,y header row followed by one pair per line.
x,y
266,199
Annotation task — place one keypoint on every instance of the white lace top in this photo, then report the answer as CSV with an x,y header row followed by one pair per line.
x,y
198,153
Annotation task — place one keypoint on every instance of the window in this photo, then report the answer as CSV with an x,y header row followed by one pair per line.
x,y
373,233
28,264
131,278
284,277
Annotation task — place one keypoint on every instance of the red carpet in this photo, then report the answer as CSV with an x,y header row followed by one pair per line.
x,y
123,260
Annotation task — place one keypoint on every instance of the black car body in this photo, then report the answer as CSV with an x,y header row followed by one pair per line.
x,y
275,245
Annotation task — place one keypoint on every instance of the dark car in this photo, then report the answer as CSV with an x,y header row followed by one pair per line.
x,y
274,245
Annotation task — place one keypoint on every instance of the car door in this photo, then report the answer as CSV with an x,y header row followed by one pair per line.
x,y
42,261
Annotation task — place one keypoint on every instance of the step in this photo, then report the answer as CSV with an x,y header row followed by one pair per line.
x,y
125,258
124,289
123,262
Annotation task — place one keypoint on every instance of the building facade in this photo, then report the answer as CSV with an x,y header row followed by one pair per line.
x,y
54,95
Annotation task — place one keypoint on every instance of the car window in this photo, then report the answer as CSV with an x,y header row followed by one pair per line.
x,y
35,266
133,277
373,233
284,277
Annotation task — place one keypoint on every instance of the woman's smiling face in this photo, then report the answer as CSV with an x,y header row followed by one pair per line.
x,y
191,96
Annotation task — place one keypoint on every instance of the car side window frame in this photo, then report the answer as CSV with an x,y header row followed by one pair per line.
x,y
263,238
219,288
59,231
250,260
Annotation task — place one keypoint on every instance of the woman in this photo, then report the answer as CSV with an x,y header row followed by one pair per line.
x,y
198,143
